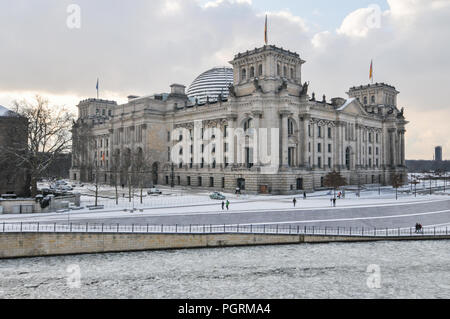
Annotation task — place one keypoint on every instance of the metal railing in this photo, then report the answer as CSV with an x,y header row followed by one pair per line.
x,y
220,229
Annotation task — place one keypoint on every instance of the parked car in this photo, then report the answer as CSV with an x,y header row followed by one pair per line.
x,y
217,196
154,191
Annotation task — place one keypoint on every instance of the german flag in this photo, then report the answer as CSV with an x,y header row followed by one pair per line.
x,y
265,32
371,71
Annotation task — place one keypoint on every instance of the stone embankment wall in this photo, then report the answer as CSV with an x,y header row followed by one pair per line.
x,y
16,245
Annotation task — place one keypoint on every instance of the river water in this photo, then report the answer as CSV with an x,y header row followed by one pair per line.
x,y
402,270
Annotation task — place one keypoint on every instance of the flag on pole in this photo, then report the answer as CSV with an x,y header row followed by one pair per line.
x,y
97,88
265,32
371,71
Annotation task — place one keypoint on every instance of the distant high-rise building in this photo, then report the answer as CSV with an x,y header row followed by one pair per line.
x,y
438,154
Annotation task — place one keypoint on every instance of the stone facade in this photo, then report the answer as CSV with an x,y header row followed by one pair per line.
x,y
363,137
13,138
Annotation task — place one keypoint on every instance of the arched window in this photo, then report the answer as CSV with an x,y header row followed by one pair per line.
x,y
252,72
365,100
292,73
278,70
373,99
285,72
248,124
348,154
260,70
243,74
290,127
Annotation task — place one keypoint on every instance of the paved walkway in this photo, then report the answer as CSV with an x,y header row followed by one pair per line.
x,y
393,215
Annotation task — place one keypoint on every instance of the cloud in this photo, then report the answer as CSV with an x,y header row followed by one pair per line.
x,y
360,22
141,47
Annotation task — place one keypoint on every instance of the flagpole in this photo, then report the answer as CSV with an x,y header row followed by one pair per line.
x,y
265,32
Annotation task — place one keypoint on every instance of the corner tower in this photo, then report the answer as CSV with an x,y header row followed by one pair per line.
x,y
375,94
267,67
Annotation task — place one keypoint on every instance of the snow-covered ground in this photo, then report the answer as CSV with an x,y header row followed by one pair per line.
x,y
182,201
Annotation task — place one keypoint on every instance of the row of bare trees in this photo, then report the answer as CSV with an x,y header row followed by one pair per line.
x,y
335,180
134,171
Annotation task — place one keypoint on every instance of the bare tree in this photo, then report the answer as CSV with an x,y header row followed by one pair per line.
x,y
397,182
115,170
334,180
48,137
142,169
415,182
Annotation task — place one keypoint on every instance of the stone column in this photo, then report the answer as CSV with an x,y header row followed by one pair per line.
x,y
232,147
392,147
337,145
403,155
257,139
284,138
304,138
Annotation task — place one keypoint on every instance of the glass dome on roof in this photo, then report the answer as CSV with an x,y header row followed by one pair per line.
x,y
210,84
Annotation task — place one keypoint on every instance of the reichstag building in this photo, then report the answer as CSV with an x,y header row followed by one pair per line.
x,y
255,126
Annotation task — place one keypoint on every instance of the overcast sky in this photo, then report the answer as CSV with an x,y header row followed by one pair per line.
x,y
142,46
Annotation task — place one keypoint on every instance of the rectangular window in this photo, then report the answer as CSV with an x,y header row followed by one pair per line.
x,y
188,181
319,162
319,148
329,162
329,132
329,148
319,131
309,130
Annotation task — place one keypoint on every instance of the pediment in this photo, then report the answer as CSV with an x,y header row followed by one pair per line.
x,y
352,106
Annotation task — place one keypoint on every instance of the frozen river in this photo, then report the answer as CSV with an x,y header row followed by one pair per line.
x,y
402,270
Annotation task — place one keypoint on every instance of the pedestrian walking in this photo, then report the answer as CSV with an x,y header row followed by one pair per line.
x,y
334,202
304,195
228,205
223,205
294,201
